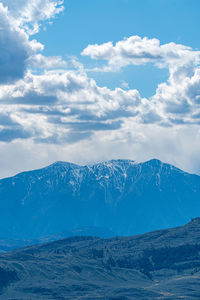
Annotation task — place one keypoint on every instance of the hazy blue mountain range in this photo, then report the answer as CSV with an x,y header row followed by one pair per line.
x,y
118,197
163,264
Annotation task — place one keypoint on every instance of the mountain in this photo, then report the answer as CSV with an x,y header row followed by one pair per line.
x,y
119,196
162,264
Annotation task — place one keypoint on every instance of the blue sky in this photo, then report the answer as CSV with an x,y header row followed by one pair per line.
x,y
91,22
86,81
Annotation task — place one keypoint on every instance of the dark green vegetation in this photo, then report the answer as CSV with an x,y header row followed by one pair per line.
x,y
117,197
163,264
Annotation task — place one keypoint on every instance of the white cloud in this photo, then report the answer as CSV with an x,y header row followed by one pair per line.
x,y
29,13
60,106
136,51
179,98
176,100
17,52
40,61
15,48
64,106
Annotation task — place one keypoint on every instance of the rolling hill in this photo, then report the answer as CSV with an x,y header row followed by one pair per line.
x,y
163,264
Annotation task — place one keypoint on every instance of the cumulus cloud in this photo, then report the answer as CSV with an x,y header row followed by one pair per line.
x,y
175,101
29,14
136,51
39,61
14,48
179,97
59,106
17,52
55,105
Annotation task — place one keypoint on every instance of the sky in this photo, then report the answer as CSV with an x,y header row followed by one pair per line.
x,y
88,81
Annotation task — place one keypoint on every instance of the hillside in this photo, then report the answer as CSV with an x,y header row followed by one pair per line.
x,y
163,264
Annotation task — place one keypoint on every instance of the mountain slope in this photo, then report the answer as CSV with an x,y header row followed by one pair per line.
x,y
120,195
163,264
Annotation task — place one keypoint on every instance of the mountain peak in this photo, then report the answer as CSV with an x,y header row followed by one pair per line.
x,y
61,164
155,161
114,163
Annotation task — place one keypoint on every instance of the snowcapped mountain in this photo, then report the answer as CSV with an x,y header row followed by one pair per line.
x,y
121,196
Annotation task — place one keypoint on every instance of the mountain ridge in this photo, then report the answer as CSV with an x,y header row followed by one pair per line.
x,y
121,195
68,165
